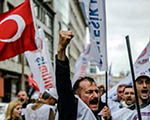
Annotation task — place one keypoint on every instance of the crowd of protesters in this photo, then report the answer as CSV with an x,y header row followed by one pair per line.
x,y
83,100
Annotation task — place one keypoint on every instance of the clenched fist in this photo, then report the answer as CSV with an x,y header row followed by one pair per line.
x,y
64,39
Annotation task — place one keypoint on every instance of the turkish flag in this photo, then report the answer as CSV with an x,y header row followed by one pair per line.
x,y
17,31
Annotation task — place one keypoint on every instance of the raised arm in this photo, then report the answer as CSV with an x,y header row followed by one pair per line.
x,y
67,103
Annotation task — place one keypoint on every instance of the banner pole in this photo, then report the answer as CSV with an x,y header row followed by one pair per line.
x,y
133,77
106,82
22,72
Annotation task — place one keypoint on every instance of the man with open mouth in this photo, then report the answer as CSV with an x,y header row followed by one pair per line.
x,y
129,97
143,88
82,101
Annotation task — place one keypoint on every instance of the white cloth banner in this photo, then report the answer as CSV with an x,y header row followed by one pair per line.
x,y
97,26
83,112
40,65
127,114
142,65
143,59
95,12
81,65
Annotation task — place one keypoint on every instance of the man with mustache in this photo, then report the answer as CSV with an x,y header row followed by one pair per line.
x,y
84,104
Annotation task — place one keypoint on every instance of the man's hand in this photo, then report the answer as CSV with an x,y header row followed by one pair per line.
x,y
106,113
64,39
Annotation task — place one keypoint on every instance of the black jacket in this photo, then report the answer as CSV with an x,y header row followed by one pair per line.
x,y
67,102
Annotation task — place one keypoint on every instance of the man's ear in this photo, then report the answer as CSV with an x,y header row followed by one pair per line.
x,y
77,92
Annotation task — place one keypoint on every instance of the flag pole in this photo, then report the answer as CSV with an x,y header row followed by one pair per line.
x,y
106,82
133,77
22,72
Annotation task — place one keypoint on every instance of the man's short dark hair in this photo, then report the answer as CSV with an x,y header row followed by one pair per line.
x,y
127,86
77,83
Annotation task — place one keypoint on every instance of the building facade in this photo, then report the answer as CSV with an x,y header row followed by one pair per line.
x,y
100,77
70,17
14,71
52,16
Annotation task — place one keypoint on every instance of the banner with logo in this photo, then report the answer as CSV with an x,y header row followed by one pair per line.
x,y
40,65
143,59
17,31
95,12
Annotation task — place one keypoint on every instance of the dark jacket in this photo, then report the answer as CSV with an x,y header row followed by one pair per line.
x,y
67,102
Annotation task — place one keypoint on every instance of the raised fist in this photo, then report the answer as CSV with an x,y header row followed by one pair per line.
x,y
64,39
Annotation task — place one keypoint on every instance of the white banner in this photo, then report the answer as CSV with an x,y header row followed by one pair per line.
x,y
142,65
81,64
40,65
94,10
128,114
97,26
143,59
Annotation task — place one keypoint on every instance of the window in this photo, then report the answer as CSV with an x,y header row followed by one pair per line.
x,y
1,6
93,70
44,13
49,41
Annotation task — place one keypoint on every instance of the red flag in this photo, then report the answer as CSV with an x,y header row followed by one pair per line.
x,y
32,83
17,31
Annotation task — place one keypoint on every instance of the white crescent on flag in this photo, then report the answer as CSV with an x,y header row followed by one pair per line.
x,y
21,26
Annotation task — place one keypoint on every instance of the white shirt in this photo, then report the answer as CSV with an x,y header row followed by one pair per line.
x,y
41,113
83,112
